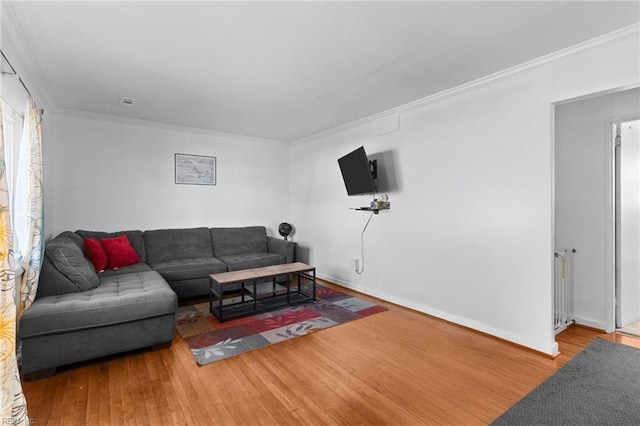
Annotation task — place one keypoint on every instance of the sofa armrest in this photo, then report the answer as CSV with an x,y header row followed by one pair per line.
x,y
283,247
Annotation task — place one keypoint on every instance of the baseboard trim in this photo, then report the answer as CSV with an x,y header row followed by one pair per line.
x,y
589,323
338,283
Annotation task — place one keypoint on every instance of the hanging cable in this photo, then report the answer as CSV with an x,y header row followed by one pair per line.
x,y
362,244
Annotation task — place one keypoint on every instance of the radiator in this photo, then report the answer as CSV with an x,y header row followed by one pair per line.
x,y
563,290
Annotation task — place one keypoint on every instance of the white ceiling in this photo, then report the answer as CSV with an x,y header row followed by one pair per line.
x,y
285,70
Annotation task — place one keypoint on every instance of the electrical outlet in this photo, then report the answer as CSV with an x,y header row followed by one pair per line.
x,y
355,263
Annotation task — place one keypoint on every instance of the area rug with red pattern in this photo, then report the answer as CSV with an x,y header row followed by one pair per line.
x,y
211,340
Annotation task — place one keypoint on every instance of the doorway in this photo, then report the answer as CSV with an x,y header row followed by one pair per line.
x,y
584,202
627,225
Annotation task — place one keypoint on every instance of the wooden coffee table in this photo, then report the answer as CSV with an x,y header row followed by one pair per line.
x,y
254,297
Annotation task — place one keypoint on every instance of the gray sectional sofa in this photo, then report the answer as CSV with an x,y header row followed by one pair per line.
x,y
80,314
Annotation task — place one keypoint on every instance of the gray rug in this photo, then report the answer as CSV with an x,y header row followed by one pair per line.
x,y
599,386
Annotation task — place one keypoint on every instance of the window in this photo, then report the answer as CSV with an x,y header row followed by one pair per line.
x,y
12,127
12,123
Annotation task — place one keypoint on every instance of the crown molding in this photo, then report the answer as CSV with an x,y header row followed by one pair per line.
x,y
168,126
597,94
577,49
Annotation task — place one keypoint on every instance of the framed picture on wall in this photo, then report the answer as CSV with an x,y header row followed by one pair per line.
x,y
195,169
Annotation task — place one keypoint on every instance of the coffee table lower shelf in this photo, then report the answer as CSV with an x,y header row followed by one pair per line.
x,y
252,301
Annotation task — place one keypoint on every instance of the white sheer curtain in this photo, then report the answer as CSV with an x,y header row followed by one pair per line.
x,y
27,206
13,406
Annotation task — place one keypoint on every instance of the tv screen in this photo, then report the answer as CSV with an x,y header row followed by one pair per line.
x,y
356,173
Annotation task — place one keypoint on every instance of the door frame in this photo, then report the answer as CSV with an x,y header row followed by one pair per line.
x,y
611,217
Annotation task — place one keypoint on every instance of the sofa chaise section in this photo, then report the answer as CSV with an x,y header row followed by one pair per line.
x,y
129,308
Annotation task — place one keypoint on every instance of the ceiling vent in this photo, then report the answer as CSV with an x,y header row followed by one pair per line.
x,y
127,101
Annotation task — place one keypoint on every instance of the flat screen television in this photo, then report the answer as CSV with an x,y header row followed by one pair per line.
x,y
356,173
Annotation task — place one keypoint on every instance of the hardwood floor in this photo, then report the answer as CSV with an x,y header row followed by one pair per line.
x,y
398,367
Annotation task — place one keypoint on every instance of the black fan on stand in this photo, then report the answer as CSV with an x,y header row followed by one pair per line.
x,y
285,229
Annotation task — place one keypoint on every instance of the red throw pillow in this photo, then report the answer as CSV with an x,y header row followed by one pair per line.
x,y
96,254
120,251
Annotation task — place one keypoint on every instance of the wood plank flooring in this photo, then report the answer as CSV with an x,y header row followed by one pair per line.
x,y
394,368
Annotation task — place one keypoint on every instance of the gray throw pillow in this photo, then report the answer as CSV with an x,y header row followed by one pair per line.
x,y
68,258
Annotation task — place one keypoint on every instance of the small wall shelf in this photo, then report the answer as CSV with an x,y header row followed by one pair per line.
x,y
369,209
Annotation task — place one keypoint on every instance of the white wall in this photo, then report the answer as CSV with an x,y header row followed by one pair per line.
x,y
114,175
469,234
582,194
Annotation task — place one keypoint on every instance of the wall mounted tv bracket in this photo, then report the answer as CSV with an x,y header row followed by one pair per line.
x,y
373,168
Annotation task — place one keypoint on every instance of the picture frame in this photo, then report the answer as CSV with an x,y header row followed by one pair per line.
x,y
195,169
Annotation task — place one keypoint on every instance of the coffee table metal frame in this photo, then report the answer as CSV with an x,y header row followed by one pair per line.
x,y
256,304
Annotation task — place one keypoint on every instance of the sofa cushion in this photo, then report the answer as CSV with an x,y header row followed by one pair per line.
x,y
67,256
73,237
229,241
119,251
237,262
169,244
52,281
186,269
135,238
118,299
283,247
96,254
138,267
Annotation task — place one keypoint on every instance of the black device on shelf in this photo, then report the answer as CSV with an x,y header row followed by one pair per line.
x,y
358,172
